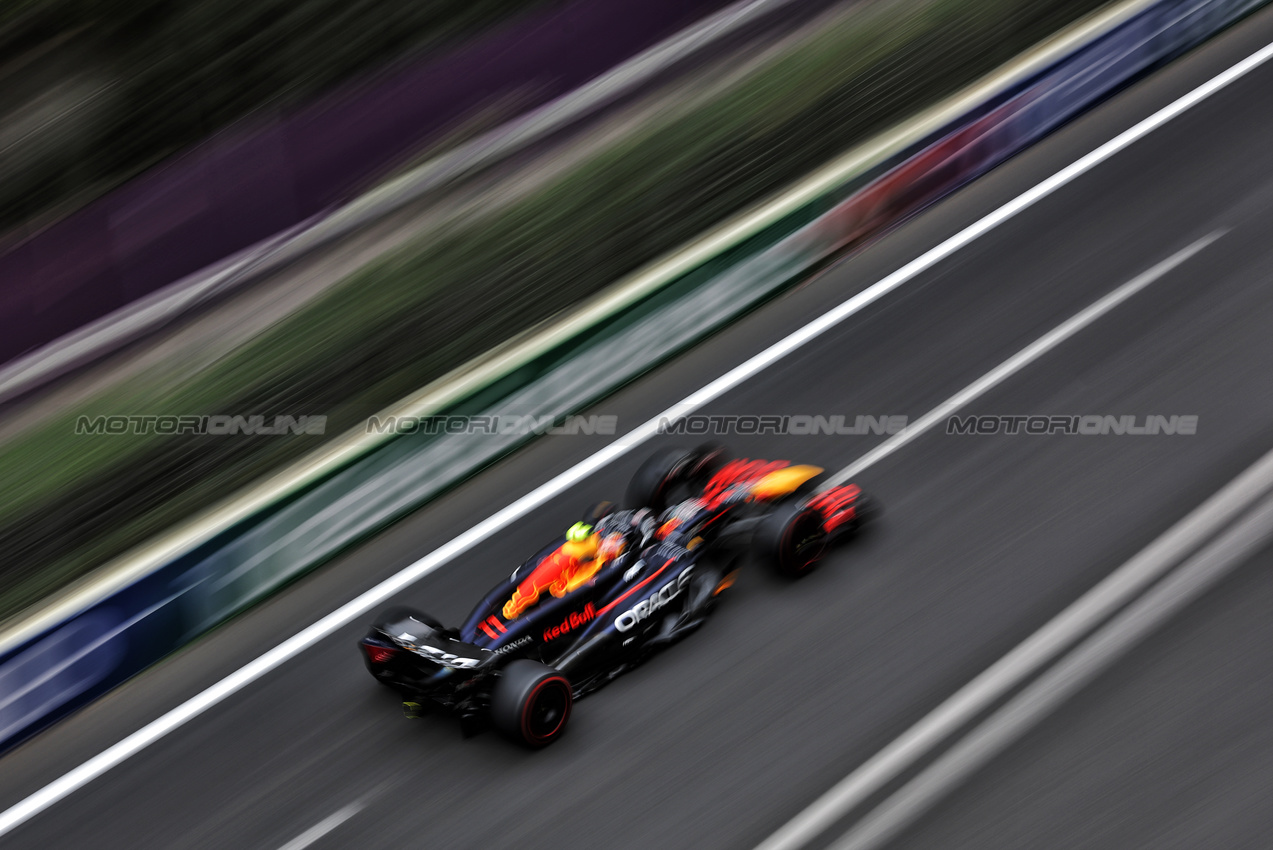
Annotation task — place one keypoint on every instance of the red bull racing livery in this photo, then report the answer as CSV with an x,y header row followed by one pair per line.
x,y
619,585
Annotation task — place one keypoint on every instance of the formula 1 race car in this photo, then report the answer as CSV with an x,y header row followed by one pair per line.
x,y
618,586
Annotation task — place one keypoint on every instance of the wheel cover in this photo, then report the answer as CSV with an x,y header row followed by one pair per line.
x,y
546,710
805,542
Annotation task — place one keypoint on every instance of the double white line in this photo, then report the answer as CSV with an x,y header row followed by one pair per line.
x,y
1243,511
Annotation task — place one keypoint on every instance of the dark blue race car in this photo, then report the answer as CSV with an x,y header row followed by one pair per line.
x,y
619,585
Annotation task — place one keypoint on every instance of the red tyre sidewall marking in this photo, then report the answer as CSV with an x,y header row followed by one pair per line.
x,y
789,545
530,703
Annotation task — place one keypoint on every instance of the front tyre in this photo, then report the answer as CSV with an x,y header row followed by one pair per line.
x,y
792,538
671,474
531,703
865,511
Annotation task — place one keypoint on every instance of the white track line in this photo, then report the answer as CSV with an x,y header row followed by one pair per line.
x,y
323,827
1019,361
156,729
1095,655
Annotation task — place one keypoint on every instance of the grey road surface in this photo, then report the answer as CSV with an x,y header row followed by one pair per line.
x,y
1172,748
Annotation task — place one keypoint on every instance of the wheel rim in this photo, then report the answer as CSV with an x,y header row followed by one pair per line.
x,y
805,542
547,710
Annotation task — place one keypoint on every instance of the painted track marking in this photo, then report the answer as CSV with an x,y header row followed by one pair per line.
x,y
1043,696
323,827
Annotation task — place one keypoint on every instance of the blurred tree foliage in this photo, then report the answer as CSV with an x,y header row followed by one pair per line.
x,y
412,315
167,73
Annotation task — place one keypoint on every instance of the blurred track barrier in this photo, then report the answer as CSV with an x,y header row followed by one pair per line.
x,y
144,607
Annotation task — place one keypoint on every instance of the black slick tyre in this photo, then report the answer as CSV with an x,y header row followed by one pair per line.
x,y
531,703
792,539
656,483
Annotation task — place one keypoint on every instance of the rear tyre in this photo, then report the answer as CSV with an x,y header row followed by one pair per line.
x,y
671,474
531,703
792,539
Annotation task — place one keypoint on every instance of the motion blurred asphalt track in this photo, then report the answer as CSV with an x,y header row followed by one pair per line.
x,y
720,741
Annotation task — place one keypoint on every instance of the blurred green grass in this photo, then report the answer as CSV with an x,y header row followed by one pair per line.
x,y
405,319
